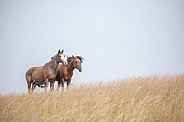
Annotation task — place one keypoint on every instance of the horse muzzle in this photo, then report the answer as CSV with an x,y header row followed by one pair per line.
x,y
80,69
65,63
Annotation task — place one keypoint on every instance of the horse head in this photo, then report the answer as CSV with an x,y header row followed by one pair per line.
x,y
60,57
77,61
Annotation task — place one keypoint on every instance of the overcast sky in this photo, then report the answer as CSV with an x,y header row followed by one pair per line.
x,y
117,38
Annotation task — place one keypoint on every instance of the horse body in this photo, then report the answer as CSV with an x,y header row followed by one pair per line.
x,y
37,75
65,72
44,74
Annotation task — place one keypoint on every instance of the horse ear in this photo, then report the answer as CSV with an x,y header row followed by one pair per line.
x,y
59,51
62,51
73,56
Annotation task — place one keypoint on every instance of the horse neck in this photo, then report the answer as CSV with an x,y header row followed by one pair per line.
x,y
70,66
53,64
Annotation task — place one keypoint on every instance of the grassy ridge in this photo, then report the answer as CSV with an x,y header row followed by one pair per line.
x,y
153,99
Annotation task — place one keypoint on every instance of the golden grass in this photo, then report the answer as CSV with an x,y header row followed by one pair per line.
x,y
141,99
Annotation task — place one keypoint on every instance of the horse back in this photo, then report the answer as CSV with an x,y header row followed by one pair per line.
x,y
30,71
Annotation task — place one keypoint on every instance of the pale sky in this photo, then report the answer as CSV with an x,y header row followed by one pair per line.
x,y
117,38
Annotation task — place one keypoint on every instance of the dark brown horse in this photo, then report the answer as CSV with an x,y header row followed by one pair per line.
x,y
65,72
44,74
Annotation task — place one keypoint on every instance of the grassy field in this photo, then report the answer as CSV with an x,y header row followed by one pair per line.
x,y
140,99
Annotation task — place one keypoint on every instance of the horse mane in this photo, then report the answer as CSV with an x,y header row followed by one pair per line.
x,y
53,58
80,58
69,59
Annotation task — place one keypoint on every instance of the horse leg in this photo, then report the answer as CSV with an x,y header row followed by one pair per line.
x,y
68,83
59,85
62,83
46,84
51,85
33,86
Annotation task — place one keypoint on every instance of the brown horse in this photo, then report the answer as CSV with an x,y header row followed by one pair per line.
x,y
44,74
65,72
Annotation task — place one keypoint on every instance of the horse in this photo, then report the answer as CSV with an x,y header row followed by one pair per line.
x,y
42,75
65,72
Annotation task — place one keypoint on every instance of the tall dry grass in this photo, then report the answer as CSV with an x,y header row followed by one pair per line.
x,y
141,99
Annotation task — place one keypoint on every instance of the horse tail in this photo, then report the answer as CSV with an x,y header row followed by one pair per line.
x,y
28,76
